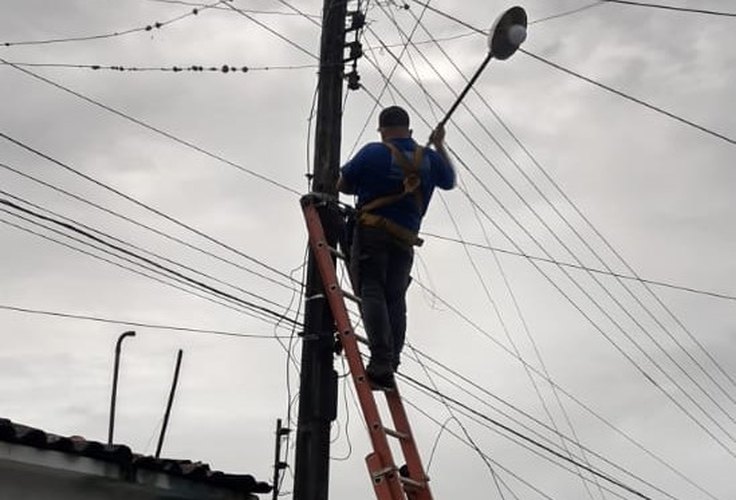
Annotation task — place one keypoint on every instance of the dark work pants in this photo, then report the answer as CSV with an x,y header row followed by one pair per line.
x,y
380,267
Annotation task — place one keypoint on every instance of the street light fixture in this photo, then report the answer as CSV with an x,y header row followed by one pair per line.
x,y
505,37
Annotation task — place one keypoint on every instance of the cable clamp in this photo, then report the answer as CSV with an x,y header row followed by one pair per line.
x,y
353,79
357,21
356,51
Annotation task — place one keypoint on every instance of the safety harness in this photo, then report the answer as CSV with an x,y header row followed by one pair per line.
x,y
412,181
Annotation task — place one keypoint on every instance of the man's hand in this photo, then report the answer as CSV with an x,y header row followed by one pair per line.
x,y
437,137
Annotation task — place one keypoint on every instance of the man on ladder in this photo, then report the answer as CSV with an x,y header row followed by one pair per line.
x,y
394,181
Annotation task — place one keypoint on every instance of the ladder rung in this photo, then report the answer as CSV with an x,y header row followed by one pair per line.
x,y
361,339
384,471
396,434
337,253
351,296
412,483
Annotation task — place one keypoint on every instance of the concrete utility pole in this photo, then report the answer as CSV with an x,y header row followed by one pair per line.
x,y
318,384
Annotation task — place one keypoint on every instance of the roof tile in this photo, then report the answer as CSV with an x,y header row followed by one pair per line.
x,y
120,454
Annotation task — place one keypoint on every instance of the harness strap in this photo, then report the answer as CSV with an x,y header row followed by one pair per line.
x,y
412,179
400,233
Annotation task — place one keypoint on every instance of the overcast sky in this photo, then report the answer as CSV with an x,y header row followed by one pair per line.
x,y
655,367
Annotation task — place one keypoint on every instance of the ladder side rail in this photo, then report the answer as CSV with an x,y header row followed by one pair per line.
x,y
408,446
334,295
385,486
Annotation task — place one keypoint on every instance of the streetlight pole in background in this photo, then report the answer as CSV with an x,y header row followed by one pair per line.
x,y
113,397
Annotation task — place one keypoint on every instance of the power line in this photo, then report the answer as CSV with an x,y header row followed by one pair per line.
x,y
583,268
437,442
494,474
597,232
450,17
600,259
250,11
448,38
257,314
629,97
613,321
569,395
616,323
597,304
572,398
484,400
145,206
485,287
121,266
513,343
485,32
141,249
152,128
597,3
527,439
483,423
600,308
163,279
195,68
141,29
594,82
475,326
489,462
408,41
404,48
433,418
669,7
139,324
638,300
296,11
273,31
145,226
609,269
487,292
71,227
624,262
289,355
148,262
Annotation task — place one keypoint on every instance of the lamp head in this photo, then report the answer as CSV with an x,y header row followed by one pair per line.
x,y
507,33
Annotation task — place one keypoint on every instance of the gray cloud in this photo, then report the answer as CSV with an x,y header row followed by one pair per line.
x,y
661,192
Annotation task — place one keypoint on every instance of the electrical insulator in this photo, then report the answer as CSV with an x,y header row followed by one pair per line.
x,y
358,20
353,80
356,51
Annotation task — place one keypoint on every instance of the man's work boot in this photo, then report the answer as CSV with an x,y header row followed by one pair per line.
x,y
381,377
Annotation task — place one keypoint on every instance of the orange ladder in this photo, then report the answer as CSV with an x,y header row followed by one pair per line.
x,y
389,482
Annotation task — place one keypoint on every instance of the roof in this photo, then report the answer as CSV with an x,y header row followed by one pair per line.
x,y
122,455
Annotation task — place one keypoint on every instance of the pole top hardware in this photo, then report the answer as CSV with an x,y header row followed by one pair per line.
x,y
507,33
353,79
356,51
357,20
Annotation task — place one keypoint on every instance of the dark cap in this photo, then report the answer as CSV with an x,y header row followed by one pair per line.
x,y
393,116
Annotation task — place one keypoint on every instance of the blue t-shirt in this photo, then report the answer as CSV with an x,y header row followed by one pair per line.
x,y
373,173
